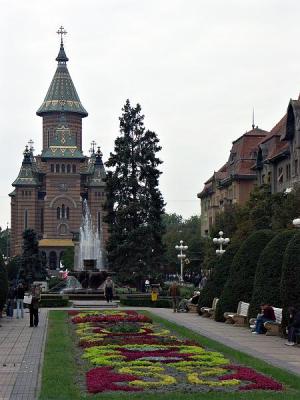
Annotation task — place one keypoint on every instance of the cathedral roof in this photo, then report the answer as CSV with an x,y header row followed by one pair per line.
x,y
27,175
62,95
97,171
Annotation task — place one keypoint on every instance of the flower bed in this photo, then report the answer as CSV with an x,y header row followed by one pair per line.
x,y
131,354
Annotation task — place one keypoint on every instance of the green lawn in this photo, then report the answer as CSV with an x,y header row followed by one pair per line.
x,y
60,370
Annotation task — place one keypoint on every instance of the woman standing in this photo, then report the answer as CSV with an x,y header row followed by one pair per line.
x,y
20,299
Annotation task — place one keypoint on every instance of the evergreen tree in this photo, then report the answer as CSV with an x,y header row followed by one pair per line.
x,y
290,278
135,204
239,285
32,268
266,288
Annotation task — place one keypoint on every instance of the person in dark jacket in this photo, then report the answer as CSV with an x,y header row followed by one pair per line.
x,y
293,326
34,306
267,315
20,299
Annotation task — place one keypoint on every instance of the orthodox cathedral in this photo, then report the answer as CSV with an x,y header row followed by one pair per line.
x,y
51,187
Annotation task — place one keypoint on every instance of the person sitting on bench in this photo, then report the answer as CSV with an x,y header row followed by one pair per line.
x,y
267,315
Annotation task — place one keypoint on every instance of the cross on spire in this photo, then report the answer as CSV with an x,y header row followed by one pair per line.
x,y
61,32
93,144
31,143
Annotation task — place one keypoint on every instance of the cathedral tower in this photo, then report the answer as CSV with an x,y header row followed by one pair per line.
x,y
51,187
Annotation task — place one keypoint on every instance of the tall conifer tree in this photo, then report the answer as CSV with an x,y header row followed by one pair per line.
x,y
135,204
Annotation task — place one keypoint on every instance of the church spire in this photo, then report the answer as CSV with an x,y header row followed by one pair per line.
x,y
62,95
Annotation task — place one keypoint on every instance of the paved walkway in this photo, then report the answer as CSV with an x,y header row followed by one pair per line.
x,y
268,348
21,349
21,353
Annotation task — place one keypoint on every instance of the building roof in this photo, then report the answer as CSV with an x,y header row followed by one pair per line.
x,y
62,95
97,171
27,175
56,243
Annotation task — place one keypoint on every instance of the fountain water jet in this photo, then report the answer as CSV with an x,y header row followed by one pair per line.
x,y
90,244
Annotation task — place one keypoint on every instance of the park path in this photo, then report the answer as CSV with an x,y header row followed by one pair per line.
x,y
268,348
21,356
21,348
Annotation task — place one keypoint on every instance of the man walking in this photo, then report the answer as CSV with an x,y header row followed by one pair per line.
x,y
174,292
109,289
20,300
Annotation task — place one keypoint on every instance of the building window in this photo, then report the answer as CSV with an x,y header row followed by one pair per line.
x,y
58,213
63,211
68,168
63,168
99,221
68,213
296,167
74,169
57,168
25,219
52,168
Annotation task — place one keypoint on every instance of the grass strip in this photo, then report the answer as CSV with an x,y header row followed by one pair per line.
x,y
59,373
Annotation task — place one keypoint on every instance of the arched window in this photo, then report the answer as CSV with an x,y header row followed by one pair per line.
x,y
63,168
57,168
52,167
68,168
68,213
58,213
63,211
74,169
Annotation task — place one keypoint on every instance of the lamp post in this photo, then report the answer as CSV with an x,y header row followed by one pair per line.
x,y
181,257
221,241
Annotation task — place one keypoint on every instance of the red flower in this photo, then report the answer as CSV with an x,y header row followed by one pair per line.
x,y
103,379
258,380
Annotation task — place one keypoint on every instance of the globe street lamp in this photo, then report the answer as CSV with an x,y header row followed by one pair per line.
x,y
221,241
181,257
296,222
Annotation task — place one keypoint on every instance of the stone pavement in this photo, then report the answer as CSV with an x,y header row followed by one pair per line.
x,y
21,353
268,348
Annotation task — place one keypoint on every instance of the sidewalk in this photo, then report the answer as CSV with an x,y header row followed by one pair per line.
x,y
268,348
21,350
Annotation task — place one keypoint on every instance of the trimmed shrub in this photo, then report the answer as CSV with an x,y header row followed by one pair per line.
x,y
266,288
217,280
239,284
290,278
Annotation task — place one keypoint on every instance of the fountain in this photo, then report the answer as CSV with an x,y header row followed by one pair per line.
x,y
90,257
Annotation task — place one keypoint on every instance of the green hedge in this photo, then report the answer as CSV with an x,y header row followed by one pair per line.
x,y
56,302
217,280
290,278
239,284
266,288
146,302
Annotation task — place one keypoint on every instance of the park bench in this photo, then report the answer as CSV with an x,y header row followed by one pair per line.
x,y
240,317
209,312
274,328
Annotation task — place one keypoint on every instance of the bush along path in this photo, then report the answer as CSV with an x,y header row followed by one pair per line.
x,y
127,352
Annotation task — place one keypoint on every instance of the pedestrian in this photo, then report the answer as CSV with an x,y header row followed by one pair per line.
x,y
293,326
10,302
109,289
20,292
34,306
174,292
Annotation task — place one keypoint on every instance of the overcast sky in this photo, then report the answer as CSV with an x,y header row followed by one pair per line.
x,y
196,67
